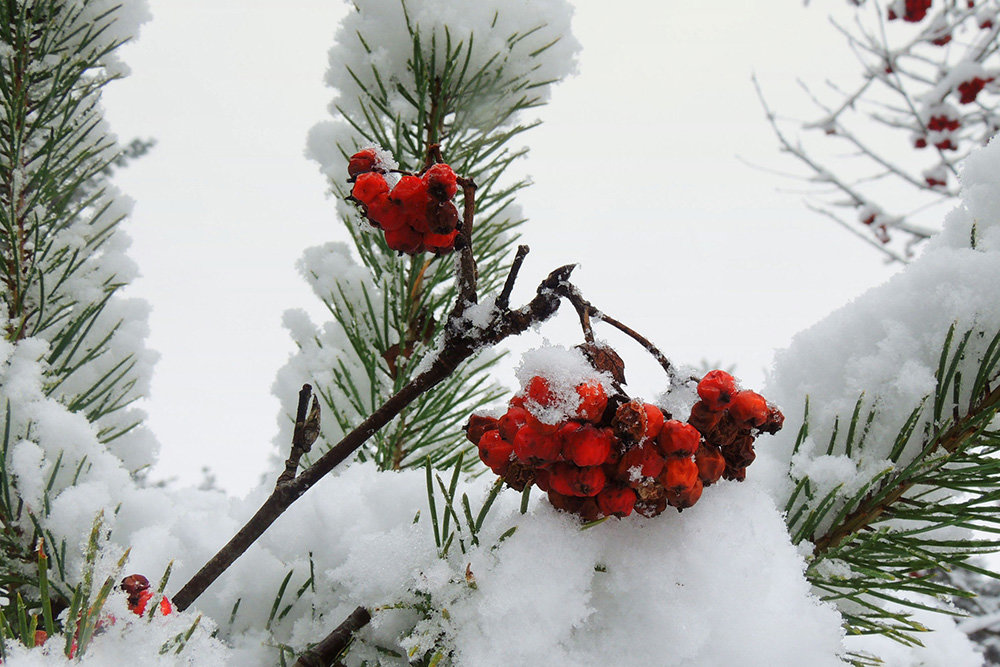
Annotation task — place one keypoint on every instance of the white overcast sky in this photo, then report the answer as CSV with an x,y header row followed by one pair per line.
x,y
637,176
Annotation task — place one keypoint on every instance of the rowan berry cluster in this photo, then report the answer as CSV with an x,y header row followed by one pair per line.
x,y
612,456
417,214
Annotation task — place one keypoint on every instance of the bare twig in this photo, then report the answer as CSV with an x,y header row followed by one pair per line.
x,y
326,652
305,433
503,301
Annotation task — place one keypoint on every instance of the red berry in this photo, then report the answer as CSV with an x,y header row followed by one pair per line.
x,y
511,422
750,408
368,186
678,473
535,447
678,439
570,480
616,500
385,214
654,420
441,242
919,142
585,508
411,194
405,240
538,390
710,463
685,497
542,476
361,162
717,389
593,401
441,182
495,452
477,426
585,445
639,462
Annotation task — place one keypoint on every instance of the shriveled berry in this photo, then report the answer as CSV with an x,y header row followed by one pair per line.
x,y
740,454
703,417
710,463
477,426
616,500
630,421
685,497
775,420
678,439
441,181
593,401
368,186
442,217
750,408
495,452
535,447
361,162
639,462
652,507
519,475
542,476
511,422
678,473
717,389
585,445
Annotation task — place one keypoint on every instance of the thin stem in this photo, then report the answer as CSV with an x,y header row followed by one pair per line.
x,y
503,301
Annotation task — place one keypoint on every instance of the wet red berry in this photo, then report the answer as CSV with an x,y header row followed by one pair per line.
x,y
368,186
750,408
441,181
678,473
616,501
571,480
716,389
538,390
535,447
495,452
477,426
511,422
684,497
361,162
678,439
405,240
654,420
639,462
585,445
704,418
593,401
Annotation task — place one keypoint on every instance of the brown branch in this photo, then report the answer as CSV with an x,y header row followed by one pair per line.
x,y
460,343
503,301
325,653
468,274
305,433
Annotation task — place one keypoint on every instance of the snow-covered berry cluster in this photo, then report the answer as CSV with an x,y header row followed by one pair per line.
x,y
599,456
416,214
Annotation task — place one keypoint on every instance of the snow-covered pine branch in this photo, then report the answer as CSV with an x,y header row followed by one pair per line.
x,y
408,76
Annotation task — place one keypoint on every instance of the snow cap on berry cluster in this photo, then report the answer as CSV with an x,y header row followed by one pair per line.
x,y
564,369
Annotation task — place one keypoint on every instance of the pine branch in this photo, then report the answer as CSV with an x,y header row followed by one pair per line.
x,y
882,542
